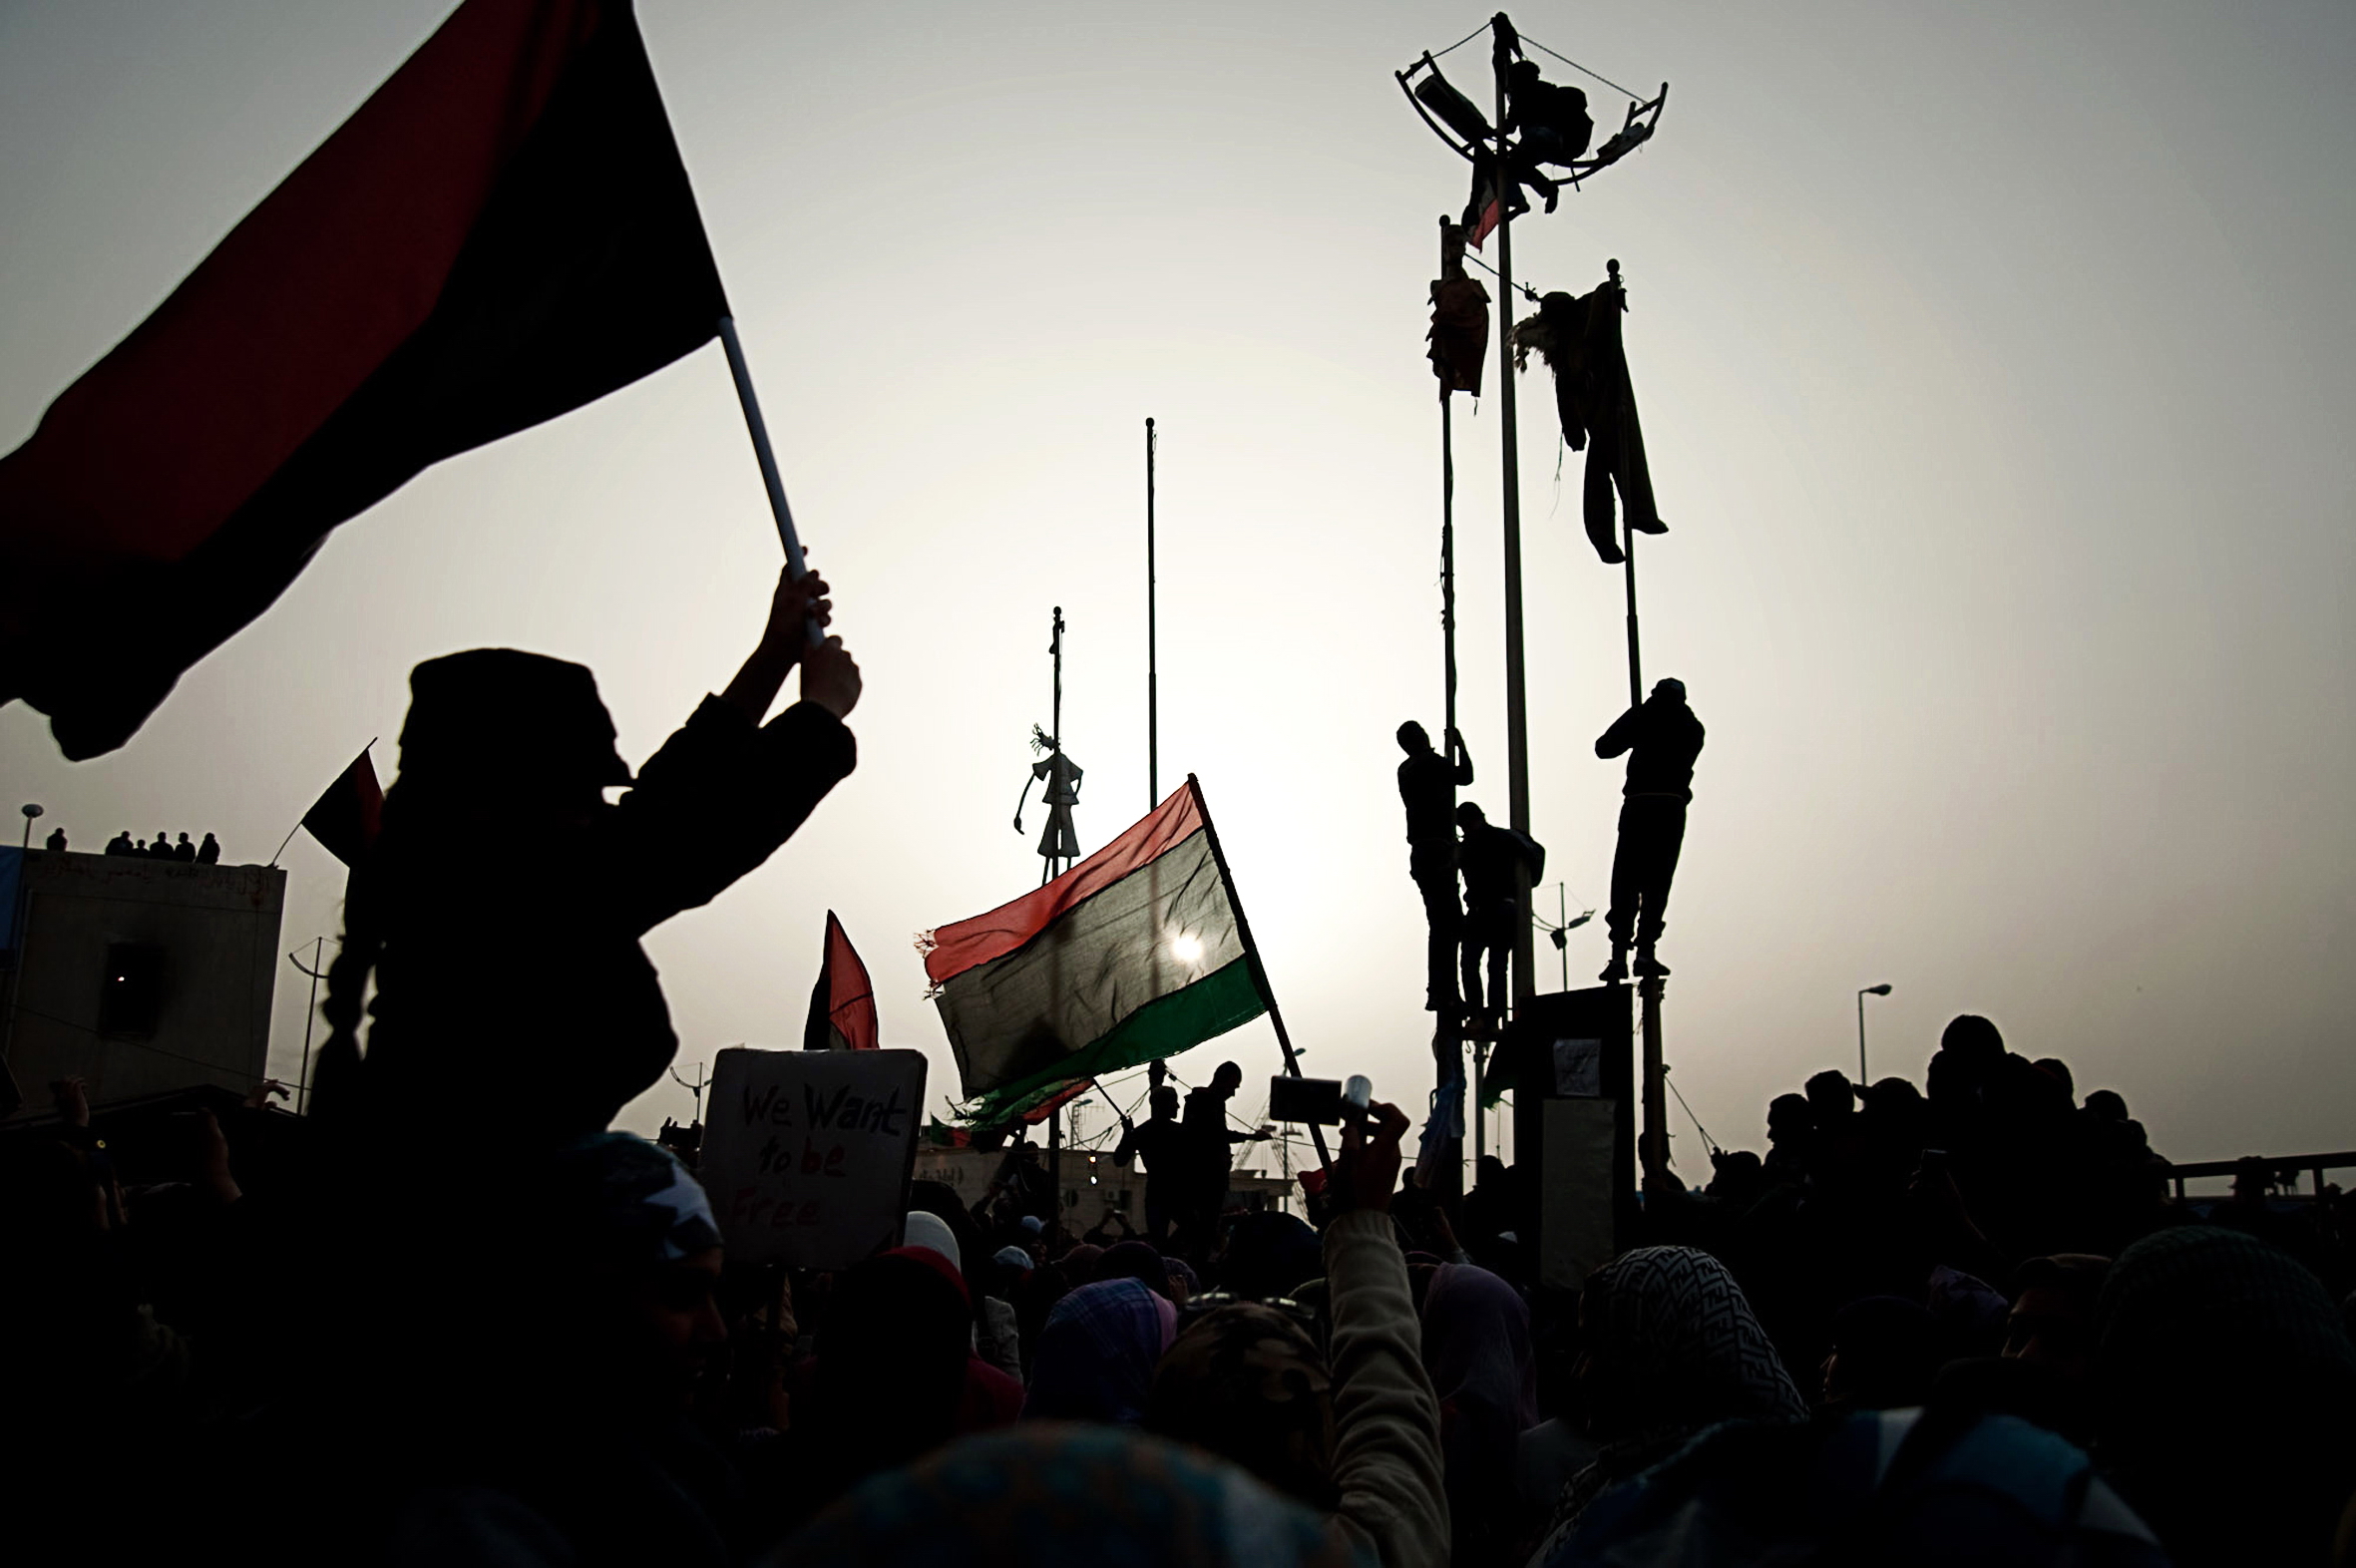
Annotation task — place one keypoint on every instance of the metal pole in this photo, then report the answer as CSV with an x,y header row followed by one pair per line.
x,y
1154,686
1562,921
1056,1169
1861,1039
1447,626
1517,738
1656,1102
1635,655
1447,550
302,1077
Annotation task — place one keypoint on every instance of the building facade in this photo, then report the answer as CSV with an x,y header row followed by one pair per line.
x,y
141,976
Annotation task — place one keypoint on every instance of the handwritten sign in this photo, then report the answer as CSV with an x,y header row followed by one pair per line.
x,y
807,1153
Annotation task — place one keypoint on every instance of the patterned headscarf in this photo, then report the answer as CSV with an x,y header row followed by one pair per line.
x,y
1676,1349
1672,1349
1097,1354
1249,1384
1049,1495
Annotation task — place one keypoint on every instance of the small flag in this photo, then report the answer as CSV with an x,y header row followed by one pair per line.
x,y
843,1002
502,232
345,816
1137,952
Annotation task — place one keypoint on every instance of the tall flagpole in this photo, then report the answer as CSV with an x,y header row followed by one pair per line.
x,y
1447,549
1447,627
1153,691
1517,724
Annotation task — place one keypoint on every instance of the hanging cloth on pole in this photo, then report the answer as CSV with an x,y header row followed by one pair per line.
x,y
1579,337
1459,334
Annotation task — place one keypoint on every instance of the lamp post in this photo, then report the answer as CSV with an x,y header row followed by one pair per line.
x,y
1870,990
31,811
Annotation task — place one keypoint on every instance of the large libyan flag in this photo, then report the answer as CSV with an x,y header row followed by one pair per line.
x,y
502,232
1137,952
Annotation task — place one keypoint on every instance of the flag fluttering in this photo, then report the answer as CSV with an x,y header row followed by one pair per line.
x,y
345,816
843,1002
502,232
1137,952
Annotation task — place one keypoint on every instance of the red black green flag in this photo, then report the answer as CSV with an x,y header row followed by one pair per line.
x,y
843,1002
502,233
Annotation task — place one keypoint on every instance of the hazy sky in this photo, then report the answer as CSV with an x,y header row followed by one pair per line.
x,y
1998,368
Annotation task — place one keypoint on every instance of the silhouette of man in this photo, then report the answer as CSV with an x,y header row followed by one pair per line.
x,y
183,849
208,852
56,842
1662,738
1495,861
1161,1140
1209,1158
160,847
1553,123
1427,783
120,844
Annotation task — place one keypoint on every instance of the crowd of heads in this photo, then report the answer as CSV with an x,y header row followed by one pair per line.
x,y
1974,1322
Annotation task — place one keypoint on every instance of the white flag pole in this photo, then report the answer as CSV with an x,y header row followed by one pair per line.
x,y
766,455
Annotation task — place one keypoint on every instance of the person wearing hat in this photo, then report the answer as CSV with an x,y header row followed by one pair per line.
x,y
1661,738
498,910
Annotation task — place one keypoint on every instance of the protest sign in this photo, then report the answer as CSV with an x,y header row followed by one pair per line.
x,y
807,1154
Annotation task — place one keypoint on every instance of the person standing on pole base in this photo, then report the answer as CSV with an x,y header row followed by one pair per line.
x,y
1491,854
1662,738
1208,1160
1427,783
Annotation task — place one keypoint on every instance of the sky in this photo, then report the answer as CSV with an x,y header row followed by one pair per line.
x,y
1996,365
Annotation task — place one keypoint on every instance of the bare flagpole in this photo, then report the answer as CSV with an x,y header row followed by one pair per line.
x,y
1153,688
1517,724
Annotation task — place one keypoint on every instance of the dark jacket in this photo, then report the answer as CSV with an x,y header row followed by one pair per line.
x,y
1427,784
1490,855
510,976
1662,738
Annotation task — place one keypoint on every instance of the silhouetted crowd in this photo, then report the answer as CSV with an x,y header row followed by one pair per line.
x,y
447,1317
161,847
1967,1326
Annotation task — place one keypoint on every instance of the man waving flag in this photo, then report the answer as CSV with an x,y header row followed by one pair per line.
x,y
502,233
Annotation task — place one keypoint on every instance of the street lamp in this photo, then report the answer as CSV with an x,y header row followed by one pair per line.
x,y
1870,990
31,811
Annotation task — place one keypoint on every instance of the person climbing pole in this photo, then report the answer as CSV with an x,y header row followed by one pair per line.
x,y
1427,784
1553,124
1661,738
1492,857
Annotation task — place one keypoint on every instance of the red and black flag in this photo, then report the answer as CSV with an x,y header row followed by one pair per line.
x,y
345,816
843,1002
502,233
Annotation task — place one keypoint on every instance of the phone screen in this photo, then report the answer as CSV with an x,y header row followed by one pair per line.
x,y
1312,1100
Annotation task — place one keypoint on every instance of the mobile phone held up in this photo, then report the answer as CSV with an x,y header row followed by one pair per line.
x,y
1311,1102
1317,1102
